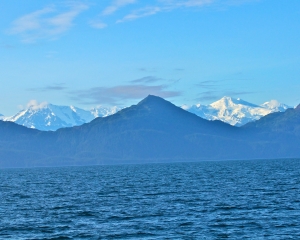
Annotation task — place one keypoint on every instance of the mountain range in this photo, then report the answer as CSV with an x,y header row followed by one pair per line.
x,y
49,117
154,130
235,111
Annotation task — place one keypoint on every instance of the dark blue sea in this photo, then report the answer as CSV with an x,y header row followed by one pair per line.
x,y
257,199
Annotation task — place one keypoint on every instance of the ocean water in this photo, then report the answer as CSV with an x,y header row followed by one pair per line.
x,y
208,200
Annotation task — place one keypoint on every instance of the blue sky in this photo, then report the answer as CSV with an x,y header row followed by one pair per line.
x,y
87,53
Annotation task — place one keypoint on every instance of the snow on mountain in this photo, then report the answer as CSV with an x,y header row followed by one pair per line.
x,y
236,112
46,116
101,111
2,117
275,106
49,117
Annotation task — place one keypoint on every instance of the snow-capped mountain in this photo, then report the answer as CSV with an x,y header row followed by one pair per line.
x,y
275,106
49,117
236,112
101,111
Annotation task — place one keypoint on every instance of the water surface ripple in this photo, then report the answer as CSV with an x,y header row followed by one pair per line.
x,y
208,200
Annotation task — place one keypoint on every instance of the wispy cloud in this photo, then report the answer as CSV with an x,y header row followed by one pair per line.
x,y
35,105
163,6
117,94
47,23
160,6
153,79
186,3
233,93
148,79
54,87
109,10
140,13
116,5
207,84
208,96
52,21
143,69
239,2
212,95
196,3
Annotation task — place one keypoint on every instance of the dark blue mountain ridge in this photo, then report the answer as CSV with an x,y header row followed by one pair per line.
x,y
154,130
284,122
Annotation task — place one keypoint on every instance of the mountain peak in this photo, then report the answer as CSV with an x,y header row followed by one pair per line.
x,y
153,100
235,111
160,108
229,102
226,98
46,116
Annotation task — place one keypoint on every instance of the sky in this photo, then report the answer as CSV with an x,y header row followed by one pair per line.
x,y
88,53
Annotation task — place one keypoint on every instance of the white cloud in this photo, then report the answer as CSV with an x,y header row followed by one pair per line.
x,y
186,3
239,2
30,21
35,105
109,10
195,3
144,12
47,23
164,6
116,5
170,5
51,22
